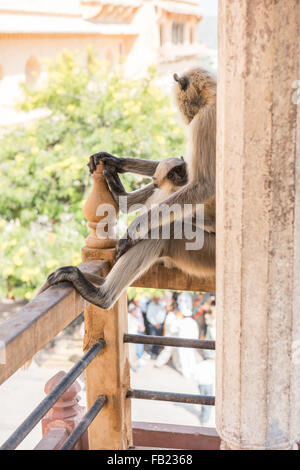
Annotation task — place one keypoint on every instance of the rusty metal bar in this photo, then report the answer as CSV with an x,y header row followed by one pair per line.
x,y
84,423
169,341
174,397
44,406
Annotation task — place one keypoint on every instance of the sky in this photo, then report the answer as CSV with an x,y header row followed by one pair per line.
x,y
209,7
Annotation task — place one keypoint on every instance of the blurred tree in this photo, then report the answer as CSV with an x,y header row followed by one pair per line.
x,y
43,166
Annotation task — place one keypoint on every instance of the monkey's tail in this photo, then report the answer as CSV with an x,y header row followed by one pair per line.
x,y
129,267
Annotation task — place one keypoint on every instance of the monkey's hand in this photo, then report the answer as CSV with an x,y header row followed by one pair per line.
x,y
108,160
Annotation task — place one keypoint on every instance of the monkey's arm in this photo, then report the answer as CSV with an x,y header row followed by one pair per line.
x,y
123,165
186,199
117,190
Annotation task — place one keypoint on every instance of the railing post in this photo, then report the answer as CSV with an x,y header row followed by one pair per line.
x,y
63,417
108,374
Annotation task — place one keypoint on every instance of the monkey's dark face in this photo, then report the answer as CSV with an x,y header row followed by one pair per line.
x,y
193,90
178,175
170,172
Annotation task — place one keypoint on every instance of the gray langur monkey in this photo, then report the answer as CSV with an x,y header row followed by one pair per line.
x,y
195,93
170,175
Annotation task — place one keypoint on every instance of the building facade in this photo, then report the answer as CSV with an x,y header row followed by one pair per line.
x,y
138,33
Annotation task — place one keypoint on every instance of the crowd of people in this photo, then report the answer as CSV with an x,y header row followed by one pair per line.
x,y
176,315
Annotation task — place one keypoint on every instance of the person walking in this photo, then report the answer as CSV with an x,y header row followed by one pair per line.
x,y
171,330
143,304
205,378
133,328
185,359
156,314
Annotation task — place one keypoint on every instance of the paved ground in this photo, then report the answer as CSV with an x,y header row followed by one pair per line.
x,y
21,393
165,379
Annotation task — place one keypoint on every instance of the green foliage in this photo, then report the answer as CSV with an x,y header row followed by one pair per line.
x,y
43,166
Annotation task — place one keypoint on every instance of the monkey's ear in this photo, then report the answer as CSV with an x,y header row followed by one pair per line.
x,y
183,81
178,175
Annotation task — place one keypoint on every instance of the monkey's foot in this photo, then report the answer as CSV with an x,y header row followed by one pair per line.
x,y
113,181
106,158
123,246
81,283
111,176
60,275
71,274
66,273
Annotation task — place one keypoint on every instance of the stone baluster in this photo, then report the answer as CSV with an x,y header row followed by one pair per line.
x,y
97,245
63,417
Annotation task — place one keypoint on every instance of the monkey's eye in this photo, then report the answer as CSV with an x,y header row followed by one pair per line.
x,y
154,179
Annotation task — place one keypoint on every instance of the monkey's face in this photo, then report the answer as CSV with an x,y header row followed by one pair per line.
x,y
193,90
170,173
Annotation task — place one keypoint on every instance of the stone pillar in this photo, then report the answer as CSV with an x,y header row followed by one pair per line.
x,y
108,373
258,226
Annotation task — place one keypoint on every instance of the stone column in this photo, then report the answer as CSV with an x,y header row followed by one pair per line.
x,y
108,373
258,226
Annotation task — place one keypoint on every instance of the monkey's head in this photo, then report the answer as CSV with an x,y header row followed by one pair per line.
x,y
193,90
170,174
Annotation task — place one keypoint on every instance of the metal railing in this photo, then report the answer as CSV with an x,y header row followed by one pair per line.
x,y
170,341
178,343
84,423
45,405
169,396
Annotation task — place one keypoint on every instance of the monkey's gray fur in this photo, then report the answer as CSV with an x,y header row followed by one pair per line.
x,y
195,93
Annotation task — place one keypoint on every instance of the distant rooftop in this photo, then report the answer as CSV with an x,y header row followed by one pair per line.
x,y
31,24
71,16
179,7
42,6
74,7
126,3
